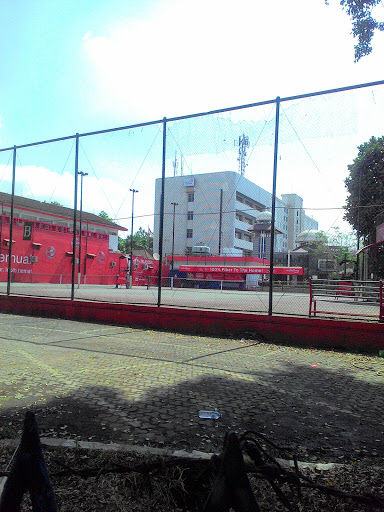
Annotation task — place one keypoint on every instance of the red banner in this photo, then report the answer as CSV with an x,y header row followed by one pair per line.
x,y
286,271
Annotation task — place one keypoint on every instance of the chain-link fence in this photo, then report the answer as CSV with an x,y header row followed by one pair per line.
x,y
201,210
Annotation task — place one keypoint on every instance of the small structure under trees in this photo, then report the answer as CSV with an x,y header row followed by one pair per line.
x,y
365,203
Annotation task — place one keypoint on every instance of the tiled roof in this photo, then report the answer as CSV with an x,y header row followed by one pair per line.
x,y
56,210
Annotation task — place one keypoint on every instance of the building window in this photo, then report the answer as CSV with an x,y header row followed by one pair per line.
x,y
189,233
188,249
238,235
190,216
191,197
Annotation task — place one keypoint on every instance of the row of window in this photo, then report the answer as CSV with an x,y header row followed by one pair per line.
x,y
55,227
243,236
244,201
244,218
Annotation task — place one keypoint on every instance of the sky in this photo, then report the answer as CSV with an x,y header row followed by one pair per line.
x,y
72,67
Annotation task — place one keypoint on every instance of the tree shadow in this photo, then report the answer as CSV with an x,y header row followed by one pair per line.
x,y
318,413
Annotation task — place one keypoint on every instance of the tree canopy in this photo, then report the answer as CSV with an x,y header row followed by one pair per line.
x,y
141,240
105,215
364,24
342,239
365,186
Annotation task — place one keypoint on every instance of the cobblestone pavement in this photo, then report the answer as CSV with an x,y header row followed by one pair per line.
x,y
113,383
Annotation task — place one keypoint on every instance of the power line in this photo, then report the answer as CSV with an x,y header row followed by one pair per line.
x,y
253,209
301,142
141,166
94,172
5,167
29,186
62,170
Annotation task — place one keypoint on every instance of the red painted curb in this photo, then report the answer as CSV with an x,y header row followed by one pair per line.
x,y
315,332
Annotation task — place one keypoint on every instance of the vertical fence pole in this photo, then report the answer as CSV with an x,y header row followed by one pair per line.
x,y
272,247
220,219
11,222
75,218
161,227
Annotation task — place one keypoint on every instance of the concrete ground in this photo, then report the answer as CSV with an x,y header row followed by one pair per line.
x,y
112,383
285,303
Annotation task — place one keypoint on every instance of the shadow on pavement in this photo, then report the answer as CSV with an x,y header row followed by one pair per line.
x,y
320,414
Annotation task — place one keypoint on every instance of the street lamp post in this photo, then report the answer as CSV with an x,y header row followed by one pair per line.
x,y
173,234
131,260
82,174
289,264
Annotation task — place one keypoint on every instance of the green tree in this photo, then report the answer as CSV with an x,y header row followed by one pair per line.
x,y
142,239
364,24
105,215
122,247
320,246
342,239
365,186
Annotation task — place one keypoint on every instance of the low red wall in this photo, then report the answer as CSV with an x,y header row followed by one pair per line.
x,y
314,332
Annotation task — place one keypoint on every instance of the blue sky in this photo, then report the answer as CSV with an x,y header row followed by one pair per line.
x,y
77,66
46,81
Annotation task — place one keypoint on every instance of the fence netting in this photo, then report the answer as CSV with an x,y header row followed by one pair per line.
x,y
41,243
319,140
182,212
6,164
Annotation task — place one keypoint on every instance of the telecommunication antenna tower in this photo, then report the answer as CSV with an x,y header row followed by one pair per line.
x,y
175,164
243,144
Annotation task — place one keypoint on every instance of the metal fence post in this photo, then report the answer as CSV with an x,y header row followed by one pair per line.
x,y
75,218
11,223
161,226
272,246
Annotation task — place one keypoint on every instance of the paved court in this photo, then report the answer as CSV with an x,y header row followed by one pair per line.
x,y
112,383
286,303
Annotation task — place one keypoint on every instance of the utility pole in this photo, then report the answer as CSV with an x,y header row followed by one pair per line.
x,y
131,259
173,234
82,174
220,219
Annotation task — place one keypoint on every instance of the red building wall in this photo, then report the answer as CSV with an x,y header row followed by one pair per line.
x,y
51,245
47,256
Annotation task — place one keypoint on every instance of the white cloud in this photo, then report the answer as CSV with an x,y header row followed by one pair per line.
x,y
191,57
42,184
87,36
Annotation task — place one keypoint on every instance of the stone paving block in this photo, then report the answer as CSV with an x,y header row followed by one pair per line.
x,y
154,382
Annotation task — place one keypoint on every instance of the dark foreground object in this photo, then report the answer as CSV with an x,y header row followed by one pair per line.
x,y
216,485
28,473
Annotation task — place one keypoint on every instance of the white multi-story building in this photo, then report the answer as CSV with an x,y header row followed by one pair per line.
x,y
203,199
